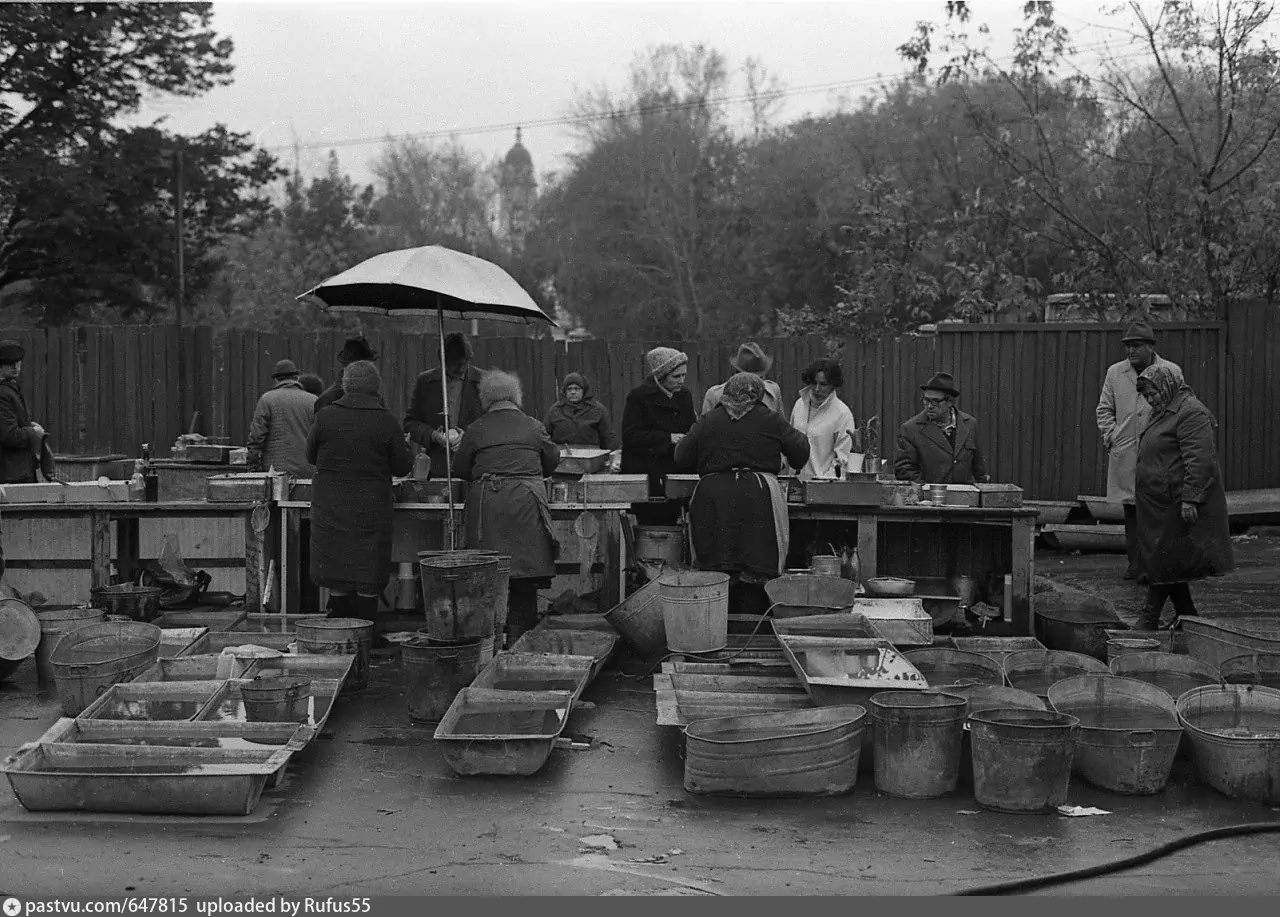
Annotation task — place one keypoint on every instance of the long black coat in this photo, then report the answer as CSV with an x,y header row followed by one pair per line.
x,y
1178,463
18,440
583,424
356,446
925,454
426,412
648,420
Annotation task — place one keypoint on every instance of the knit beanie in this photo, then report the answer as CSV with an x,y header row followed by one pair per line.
x,y
361,378
579,380
663,360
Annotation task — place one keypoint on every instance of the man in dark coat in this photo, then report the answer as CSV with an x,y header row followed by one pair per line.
x,y
577,419
1183,529
357,447
425,421
940,444
23,443
356,348
281,424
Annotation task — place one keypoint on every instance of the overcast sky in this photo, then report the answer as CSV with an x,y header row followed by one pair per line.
x,y
322,73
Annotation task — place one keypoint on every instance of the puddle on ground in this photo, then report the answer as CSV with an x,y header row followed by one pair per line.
x,y
392,741
519,683
508,722
121,709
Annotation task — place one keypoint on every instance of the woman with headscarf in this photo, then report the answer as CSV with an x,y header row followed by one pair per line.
x,y
826,420
506,455
1183,531
577,419
356,446
658,414
738,515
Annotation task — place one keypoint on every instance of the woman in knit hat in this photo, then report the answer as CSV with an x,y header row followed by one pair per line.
x,y
577,419
658,414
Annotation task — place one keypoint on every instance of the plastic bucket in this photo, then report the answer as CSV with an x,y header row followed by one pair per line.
x,y
695,610
1128,646
1022,759
340,637
54,622
276,699
94,657
460,592
664,543
640,620
434,674
137,603
918,735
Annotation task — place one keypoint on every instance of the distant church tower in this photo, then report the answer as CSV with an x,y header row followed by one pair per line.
x,y
517,189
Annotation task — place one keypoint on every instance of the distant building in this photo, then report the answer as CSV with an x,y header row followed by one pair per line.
x,y
517,191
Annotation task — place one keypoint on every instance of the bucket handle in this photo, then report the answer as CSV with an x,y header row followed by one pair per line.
x,y
1142,738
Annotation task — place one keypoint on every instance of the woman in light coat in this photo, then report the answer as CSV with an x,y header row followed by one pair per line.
x,y
826,420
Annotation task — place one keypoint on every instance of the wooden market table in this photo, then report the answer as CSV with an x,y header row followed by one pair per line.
x,y
922,541
126,517
424,527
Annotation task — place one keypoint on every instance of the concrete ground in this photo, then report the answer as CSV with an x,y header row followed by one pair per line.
x,y
371,809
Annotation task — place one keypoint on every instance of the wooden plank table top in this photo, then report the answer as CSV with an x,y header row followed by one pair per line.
x,y
138,507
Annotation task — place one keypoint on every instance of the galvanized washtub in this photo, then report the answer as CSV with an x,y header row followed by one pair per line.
x,y
541,672
791,753
502,732
1216,641
1234,731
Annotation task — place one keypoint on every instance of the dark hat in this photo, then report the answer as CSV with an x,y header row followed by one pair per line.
x,y
752,359
1139,331
356,348
285,368
11,352
942,382
456,347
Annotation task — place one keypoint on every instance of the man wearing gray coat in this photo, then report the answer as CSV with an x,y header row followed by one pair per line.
x,y
1122,416
281,424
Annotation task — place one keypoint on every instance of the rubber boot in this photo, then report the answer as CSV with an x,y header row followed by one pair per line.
x,y
522,613
1131,541
339,606
1149,617
1182,604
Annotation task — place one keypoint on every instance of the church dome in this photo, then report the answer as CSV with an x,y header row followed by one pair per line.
x,y
518,157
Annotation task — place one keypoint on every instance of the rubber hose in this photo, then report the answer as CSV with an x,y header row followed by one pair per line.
x,y
1155,853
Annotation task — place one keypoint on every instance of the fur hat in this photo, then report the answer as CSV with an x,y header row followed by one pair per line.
x,y
457,347
11,352
495,386
579,380
356,348
663,360
361,378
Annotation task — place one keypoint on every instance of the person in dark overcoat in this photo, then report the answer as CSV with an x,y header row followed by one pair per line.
x,y
940,444
24,444
738,514
357,447
356,348
658,414
424,421
577,419
1183,529
507,456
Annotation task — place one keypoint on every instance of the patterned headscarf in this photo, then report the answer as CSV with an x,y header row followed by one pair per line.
x,y
1163,383
742,392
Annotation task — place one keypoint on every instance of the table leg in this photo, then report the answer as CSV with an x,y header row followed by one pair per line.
x,y
100,548
1023,572
128,549
868,545
255,548
290,523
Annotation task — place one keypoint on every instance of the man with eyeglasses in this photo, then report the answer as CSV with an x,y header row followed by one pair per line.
x,y
940,444
1122,415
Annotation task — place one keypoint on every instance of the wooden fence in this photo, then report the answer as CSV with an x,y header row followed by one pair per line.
x,y
1033,387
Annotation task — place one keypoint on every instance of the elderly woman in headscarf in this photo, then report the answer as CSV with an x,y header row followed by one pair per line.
x,y
356,446
507,455
738,514
1183,532
578,419
658,414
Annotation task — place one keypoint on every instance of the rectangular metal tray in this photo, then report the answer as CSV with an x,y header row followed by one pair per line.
x,y
52,777
847,624
177,641
152,701
900,621
217,642
536,672
336,667
252,736
228,705
681,706
829,685
214,620
271,624
564,642
581,460
521,730
210,667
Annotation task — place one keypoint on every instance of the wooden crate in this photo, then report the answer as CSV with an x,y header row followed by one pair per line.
x,y
184,482
842,493
999,495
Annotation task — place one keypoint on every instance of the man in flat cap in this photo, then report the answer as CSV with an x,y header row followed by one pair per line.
x,y
24,445
1122,415
281,423
940,444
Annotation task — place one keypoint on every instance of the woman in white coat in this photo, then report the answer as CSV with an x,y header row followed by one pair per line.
x,y
826,420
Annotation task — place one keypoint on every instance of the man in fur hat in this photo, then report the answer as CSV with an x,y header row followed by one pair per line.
x,y
353,351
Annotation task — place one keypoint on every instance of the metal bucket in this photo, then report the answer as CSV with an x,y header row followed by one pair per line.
x,y
639,619
340,637
695,610
54,622
94,657
918,735
1022,759
434,674
460,592
660,543
276,699
502,598
137,603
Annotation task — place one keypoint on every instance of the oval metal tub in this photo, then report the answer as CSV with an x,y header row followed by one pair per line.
x,y
791,753
1175,675
1234,731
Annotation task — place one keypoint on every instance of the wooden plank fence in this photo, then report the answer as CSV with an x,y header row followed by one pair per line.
x,y
1033,387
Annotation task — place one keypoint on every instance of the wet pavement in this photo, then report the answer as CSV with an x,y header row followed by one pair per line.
x,y
371,809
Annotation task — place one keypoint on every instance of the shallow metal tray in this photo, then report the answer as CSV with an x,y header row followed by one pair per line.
x,y
152,701
518,738
271,624
536,672
209,667
228,705
564,642
214,620
336,667
828,686
177,641
217,642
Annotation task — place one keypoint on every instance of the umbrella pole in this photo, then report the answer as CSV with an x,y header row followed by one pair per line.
x,y
444,410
